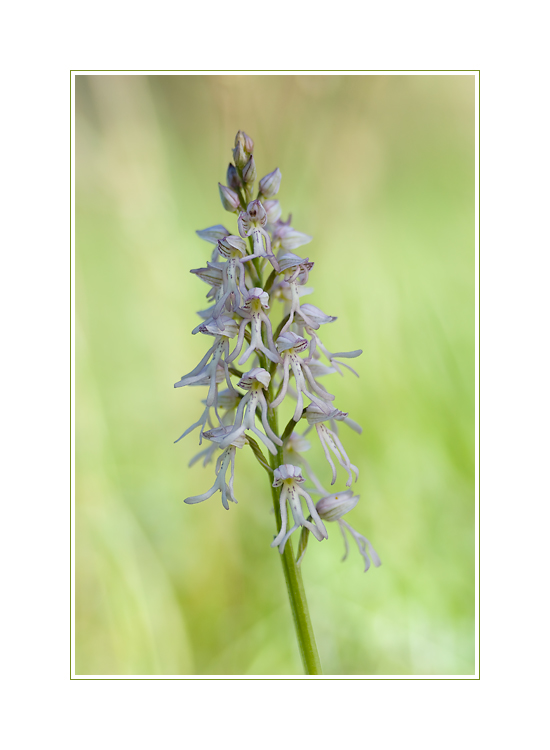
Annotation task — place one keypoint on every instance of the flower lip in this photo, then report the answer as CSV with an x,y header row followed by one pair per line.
x,y
256,375
333,507
287,472
291,340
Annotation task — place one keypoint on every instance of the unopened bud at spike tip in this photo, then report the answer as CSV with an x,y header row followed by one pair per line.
x,y
249,171
233,179
240,156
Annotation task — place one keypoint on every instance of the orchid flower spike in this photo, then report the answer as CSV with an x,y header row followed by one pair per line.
x,y
286,365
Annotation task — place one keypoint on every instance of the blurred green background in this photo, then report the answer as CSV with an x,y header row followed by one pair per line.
x,y
380,170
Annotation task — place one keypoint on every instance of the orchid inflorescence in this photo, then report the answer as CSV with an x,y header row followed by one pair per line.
x,y
238,319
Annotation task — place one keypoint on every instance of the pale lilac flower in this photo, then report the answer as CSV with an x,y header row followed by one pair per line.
x,y
296,274
309,314
209,363
253,312
289,478
226,459
294,447
273,212
254,381
205,380
331,508
233,275
329,439
288,238
252,224
270,184
290,344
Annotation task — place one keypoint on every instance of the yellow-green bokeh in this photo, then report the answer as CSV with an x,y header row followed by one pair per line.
x,y
380,170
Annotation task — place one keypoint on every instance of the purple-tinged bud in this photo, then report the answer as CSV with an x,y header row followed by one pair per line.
x,y
273,210
269,185
245,141
248,143
233,179
333,507
249,171
240,157
230,199
213,234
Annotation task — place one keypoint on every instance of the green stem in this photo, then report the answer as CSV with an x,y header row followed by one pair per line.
x,y
293,577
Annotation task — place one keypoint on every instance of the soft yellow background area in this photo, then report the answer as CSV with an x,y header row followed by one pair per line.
x,y
380,170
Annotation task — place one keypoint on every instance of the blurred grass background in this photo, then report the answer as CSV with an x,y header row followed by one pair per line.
x,y
380,170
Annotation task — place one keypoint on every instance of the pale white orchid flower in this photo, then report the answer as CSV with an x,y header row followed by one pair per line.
x,y
290,344
289,477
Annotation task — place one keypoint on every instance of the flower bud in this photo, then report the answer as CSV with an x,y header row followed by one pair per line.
x,y
245,141
230,199
233,177
249,171
269,185
333,507
240,156
248,143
